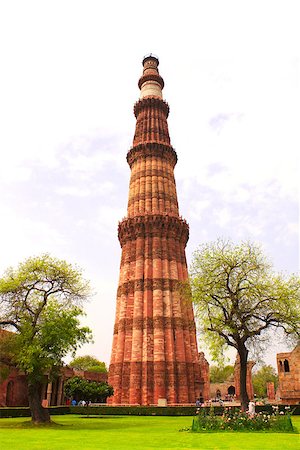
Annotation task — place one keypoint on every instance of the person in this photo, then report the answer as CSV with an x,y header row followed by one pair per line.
x,y
251,409
74,403
198,402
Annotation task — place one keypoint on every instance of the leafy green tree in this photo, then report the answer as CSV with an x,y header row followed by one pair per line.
x,y
81,389
41,302
260,379
238,299
88,363
219,374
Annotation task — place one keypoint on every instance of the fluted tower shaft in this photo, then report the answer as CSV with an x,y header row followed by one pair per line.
x,y
154,352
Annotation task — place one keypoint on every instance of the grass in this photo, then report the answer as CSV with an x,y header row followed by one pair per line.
x,y
128,432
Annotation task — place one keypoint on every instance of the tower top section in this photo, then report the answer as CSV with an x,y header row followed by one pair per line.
x,y
151,83
150,56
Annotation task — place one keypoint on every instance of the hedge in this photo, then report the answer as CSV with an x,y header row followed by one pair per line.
x,y
25,411
164,410
134,410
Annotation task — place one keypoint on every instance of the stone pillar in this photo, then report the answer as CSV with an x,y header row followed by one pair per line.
x,y
49,393
204,391
270,390
154,354
60,392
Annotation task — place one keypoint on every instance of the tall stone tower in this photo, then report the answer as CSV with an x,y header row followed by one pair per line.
x,y
154,352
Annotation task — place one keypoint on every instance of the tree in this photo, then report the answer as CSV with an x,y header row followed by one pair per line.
x,y
260,379
238,299
88,363
41,302
81,389
219,374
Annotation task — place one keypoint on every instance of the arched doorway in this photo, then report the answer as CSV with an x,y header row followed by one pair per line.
x,y
231,390
10,394
286,365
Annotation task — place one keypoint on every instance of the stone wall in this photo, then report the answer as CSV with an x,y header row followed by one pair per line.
x,y
224,390
13,389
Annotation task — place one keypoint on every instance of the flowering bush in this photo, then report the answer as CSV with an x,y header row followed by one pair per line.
x,y
233,420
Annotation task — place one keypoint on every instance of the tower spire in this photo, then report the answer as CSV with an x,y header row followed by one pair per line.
x,y
154,352
151,83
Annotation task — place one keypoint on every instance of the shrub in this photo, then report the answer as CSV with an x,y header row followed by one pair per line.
x,y
234,420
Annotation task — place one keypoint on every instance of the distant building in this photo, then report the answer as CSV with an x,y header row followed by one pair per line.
x,y
288,365
230,389
13,388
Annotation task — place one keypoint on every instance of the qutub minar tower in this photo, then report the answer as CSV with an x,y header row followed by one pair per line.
x,y
154,352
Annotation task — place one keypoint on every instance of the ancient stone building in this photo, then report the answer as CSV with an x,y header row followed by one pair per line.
x,y
230,389
154,353
288,365
225,391
13,387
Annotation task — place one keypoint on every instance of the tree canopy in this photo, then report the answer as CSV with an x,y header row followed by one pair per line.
x,y
41,301
260,379
238,298
219,374
81,389
89,363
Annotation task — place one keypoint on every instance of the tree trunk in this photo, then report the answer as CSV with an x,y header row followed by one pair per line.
x,y
243,354
39,414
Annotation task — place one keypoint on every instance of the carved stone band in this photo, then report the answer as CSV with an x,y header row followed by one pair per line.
x,y
155,225
152,149
151,102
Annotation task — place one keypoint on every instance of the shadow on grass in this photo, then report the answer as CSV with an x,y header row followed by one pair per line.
x,y
29,424
78,423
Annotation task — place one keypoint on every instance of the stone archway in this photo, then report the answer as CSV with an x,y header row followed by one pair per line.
x,y
231,390
286,365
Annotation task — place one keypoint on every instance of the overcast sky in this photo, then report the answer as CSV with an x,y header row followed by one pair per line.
x,y
68,83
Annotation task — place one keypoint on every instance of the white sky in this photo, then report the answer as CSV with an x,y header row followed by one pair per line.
x,y
68,82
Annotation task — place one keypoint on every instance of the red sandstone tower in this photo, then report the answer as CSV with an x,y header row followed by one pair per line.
x,y
154,352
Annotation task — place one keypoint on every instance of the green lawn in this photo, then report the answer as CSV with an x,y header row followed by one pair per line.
x,y
74,432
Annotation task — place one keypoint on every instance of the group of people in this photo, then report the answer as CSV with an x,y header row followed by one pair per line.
x,y
80,403
200,401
